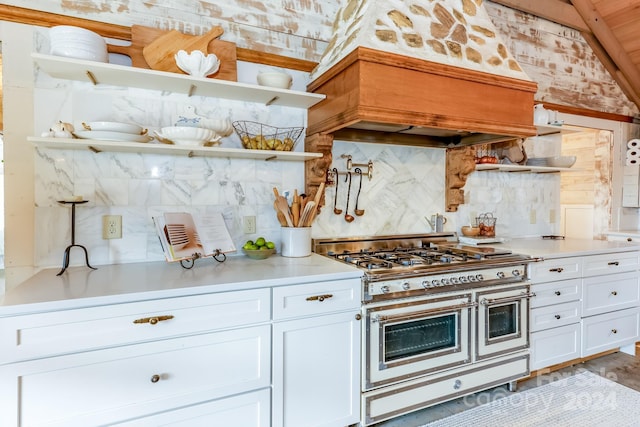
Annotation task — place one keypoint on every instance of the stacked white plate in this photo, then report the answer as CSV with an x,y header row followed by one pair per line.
x,y
113,131
537,161
77,42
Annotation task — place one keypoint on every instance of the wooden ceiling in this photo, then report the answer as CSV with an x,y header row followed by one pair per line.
x,y
610,27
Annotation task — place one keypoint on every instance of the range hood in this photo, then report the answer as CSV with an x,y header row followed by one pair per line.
x,y
428,73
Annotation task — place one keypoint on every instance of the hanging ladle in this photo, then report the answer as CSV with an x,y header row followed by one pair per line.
x,y
347,217
335,198
357,211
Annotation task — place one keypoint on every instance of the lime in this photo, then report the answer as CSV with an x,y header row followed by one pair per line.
x,y
261,241
248,245
252,248
264,248
271,245
249,242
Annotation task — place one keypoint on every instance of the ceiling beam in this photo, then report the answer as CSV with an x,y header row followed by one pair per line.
x,y
628,72
556,11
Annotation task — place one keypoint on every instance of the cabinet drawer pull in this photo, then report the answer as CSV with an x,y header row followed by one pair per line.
x,y
557,270
155,378
153,320
614,331
614,293
557,316
319,297
614,263
558,293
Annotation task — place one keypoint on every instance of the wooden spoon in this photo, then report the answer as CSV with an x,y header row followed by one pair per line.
x,y
283,206
306,214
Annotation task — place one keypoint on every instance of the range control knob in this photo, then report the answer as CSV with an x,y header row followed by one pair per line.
x,y
406,286
479,277
500,275
454,280
516,273
435,282
471,278
445,281
385,289
426,284
463,279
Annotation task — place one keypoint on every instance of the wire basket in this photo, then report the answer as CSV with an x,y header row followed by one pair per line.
x,y
258,136
487,224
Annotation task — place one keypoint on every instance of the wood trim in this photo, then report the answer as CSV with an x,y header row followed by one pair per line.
x,y
46,19
568,363
556,11
578,111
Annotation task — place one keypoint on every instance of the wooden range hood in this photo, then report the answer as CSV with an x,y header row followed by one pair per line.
x,y
383,97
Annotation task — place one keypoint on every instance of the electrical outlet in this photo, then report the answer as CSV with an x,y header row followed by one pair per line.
x,y
249,224
532,216
112,226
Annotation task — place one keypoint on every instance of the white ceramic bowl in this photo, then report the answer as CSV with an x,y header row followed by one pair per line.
x,y
275,79
196,63
222,127
77,42
561,161
183,135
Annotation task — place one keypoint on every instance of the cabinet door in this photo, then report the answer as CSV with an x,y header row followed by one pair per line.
x,y
316,371
551,270
107,386
556,345
611,330
246,410
611,263
556,292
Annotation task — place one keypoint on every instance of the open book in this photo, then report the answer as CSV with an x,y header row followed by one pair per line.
x,y
184,236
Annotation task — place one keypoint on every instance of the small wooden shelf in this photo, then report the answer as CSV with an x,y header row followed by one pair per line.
x,y
119,75
159,148
521,169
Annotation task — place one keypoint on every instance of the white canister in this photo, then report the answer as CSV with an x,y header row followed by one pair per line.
x,y
296,241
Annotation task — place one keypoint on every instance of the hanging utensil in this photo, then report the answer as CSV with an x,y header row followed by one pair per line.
x,y
335,197
358,212
347,216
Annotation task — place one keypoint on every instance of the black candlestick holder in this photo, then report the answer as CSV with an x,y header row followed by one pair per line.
x,y
67,251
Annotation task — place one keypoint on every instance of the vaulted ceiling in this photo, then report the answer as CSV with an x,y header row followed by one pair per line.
x,y
610,27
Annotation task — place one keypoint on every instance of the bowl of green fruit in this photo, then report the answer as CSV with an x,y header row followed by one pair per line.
x,y
260,249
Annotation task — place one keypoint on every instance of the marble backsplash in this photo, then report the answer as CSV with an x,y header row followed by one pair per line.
x,y
407,183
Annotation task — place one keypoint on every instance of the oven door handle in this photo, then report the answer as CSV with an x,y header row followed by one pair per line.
x,y
422,313
490,301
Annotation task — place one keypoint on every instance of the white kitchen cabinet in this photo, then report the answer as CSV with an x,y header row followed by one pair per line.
x,y
99,73
117,384
316,354
631,186
114,363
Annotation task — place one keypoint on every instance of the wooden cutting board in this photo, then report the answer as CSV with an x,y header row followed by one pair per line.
x,y
159,54
142,36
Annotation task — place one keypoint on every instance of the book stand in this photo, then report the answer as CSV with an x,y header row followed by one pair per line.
x,y
190,262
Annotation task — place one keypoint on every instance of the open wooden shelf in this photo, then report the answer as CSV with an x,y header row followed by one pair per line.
x,y
159,148
522,169
543,130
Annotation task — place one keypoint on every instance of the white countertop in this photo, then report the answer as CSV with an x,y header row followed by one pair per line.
x,y
624,233
548,248
118,283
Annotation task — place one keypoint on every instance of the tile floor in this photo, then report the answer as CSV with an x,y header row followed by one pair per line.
x,y
620,367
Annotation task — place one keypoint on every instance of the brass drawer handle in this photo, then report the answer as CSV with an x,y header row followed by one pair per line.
x,y
614,263
557,316
615,331
558,293
155,378
557,270
614,293
153,320
319,297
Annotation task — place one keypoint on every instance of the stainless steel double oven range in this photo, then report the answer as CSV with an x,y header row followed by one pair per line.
x,y
440,319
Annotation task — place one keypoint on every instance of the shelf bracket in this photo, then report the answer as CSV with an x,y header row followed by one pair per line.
x,y
94,149
192,89
272,100
92,78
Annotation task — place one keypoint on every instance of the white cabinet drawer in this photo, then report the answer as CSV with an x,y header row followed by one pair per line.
x,y
68,331
611,330
553,346
603,294
555,269
556,292
100,387
245,410
316,298
555,315
610,263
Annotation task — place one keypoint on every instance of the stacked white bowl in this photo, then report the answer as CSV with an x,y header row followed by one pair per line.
x,y
77,42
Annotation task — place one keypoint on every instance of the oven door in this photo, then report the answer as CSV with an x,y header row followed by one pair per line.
x,y
503,321
405,340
